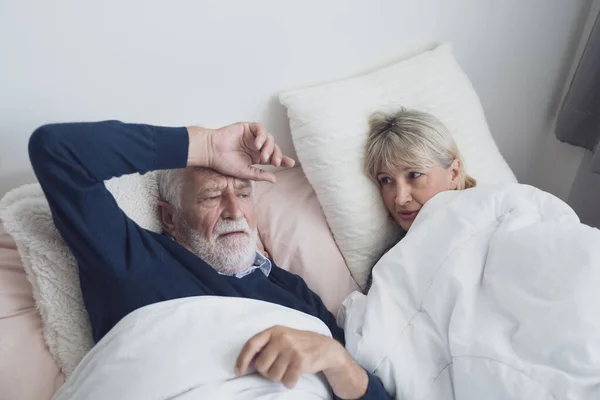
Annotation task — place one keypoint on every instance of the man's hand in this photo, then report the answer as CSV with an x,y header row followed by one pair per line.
x,y
232,150
283,354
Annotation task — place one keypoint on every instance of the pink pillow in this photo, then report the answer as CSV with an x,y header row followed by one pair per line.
x,y
294,232
27,369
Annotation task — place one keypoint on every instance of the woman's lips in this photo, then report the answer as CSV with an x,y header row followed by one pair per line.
x,y
408,215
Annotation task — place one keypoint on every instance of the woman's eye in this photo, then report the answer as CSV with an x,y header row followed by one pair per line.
x,y
211,198
414,175
384,180
243,195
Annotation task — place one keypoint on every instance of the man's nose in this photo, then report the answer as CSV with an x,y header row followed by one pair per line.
x,y
403,196
232,209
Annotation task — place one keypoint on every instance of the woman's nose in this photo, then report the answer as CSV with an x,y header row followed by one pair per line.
x,y
403,195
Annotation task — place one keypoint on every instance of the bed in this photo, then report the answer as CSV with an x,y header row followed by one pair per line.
x,y
324,221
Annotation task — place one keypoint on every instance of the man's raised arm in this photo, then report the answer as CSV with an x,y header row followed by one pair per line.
x,y
72,161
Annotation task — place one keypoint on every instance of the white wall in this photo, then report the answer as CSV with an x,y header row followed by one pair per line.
x,y
217,61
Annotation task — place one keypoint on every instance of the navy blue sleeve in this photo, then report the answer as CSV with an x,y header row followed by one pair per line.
x,y
71,162
375,389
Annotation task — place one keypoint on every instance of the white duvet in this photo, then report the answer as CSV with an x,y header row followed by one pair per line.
x,y
186,349
493,294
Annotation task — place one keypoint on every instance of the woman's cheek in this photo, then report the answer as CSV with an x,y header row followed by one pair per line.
x,y
388,199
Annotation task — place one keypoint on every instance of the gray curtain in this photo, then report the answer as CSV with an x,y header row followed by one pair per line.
x,y
578,121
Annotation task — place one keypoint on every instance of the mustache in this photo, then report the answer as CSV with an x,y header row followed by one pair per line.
x,y
226,226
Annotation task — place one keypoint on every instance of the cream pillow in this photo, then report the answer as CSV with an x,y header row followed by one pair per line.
x,y
329,125
51,268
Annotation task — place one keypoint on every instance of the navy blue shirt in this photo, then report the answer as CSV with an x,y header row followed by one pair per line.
x,y
122,266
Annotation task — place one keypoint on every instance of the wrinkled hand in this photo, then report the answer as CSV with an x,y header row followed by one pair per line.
x,y
234,149
283,354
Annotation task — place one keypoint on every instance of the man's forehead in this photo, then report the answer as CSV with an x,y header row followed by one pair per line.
x,y
211,180
221,183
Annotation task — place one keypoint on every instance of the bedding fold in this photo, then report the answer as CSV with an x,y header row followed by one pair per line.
x,y
493,294
187,349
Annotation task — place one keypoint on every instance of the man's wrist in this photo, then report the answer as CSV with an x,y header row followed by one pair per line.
x,y
200,149
347,379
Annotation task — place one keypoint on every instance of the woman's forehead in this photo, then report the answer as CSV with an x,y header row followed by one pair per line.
x,y
399,168
394,167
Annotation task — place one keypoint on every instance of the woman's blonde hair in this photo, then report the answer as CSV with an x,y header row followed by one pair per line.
x,y
411,139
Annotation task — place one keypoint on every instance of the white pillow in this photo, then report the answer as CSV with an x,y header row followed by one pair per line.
x,y
52,269
329,125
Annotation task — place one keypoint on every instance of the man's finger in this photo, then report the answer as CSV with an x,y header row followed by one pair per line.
x,y
260,134
278,368
267,149
257,174
287,162
250,350
276,157
264,360
292,375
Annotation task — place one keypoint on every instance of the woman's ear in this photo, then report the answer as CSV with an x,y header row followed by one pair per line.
x,y
167,214
455,173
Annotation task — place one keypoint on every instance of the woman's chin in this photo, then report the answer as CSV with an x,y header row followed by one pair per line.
x,y
404,224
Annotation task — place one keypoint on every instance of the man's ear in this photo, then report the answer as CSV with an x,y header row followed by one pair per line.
x,y
167,215
455,173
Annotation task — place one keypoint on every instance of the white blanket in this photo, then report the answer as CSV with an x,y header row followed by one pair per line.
x,y
187,349
493,294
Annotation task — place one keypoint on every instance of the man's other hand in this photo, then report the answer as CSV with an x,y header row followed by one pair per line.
x,y
234,149
283,354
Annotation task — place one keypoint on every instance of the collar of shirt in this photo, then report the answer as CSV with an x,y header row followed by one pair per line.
x,y
260,262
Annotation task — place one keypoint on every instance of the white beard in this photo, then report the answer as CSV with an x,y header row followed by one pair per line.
x,y
227,255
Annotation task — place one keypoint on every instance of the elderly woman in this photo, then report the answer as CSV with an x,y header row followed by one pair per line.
x,y
412,157
493,295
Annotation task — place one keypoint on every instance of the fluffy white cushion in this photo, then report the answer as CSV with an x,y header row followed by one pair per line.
x,y
51,267
329,125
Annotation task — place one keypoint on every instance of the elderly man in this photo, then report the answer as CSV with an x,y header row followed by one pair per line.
x,y
209,241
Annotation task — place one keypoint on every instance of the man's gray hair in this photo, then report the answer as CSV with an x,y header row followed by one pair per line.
x,y
170,185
